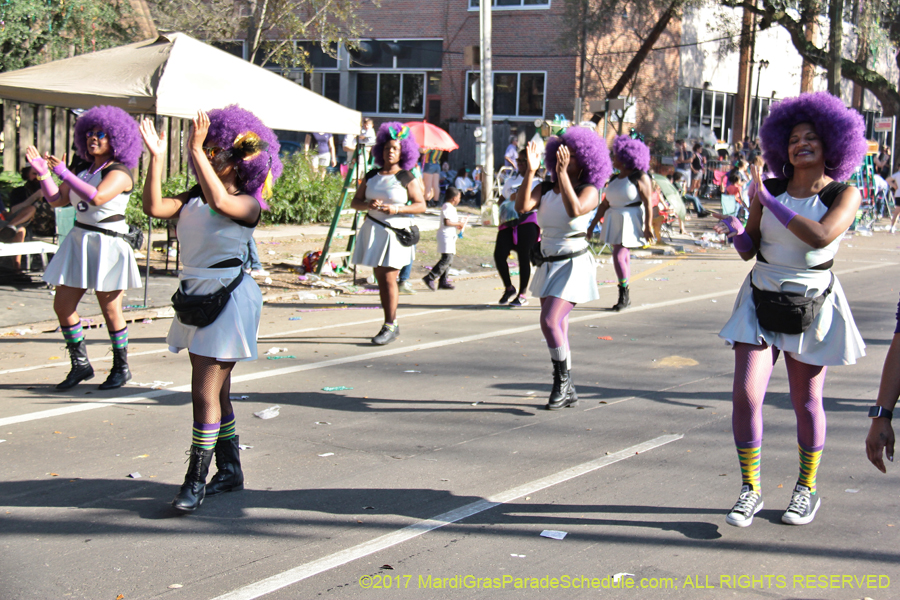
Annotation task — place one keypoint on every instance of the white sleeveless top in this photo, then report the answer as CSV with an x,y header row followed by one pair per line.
x,y
389,190
620,192
781,247
207,238
558,229
89,214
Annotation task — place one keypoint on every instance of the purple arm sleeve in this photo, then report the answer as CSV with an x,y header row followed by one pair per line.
x,y
741,239
781,212
48,187
81,187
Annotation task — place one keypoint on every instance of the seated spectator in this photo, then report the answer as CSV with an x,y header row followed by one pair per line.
x,y
679,182
21,211
465,185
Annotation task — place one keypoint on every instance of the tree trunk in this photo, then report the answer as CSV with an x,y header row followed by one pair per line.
x,y
635,64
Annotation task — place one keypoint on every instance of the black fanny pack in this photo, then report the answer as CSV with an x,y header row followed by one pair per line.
x,y
786,312
406,237
200,311
537,258
134,237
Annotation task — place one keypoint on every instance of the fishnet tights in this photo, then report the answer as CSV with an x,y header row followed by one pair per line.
x,y
555,321
753,368
210,388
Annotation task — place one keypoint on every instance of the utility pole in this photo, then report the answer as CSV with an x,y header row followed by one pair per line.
x,y
487,101
836,33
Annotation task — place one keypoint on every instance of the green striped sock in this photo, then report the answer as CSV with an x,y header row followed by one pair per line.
x,y
204,435
749,459
73,334
226,431
119,338
809,466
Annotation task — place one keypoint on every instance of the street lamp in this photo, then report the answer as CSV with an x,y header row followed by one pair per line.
x,y
763,64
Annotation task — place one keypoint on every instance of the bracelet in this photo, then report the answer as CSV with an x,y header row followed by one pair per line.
x,y
43,177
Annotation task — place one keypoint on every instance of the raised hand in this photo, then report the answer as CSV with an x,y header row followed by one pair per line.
x,y
36,161
57,165
730,226
156,143
533,156
562,159
199,131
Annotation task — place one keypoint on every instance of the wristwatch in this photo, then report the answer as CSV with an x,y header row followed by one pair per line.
x,y
880,411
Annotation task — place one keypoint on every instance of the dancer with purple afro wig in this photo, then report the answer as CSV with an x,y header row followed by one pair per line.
x,y
235,158
409,149
566,275
629,216
389,194
94,255
794,229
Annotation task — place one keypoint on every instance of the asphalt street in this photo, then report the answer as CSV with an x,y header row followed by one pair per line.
x,y
436,472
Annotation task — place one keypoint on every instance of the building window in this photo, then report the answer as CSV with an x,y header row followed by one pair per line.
x,y
516,95
702,113
391,93
511,4
398,54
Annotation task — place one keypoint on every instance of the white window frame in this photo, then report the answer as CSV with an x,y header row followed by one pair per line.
x,y
394,67
400,72
521,7
516,117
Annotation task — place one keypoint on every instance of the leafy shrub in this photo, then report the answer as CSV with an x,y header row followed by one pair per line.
x,y
299,196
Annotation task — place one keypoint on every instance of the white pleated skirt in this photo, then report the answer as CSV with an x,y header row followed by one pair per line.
x,y
624,226
573,280
232,336
377,246
90,260
832,339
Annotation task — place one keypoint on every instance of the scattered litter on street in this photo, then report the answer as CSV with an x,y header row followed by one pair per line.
x,y
244,447
851,491
517,555
156,385
326,454
337,388
553,534
619,576
295,318
274,350
269,413
279,357
244,397
605,337
175,586
135,475
412,371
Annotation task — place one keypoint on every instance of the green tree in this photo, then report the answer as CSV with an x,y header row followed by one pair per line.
x,y
37,31
877,23
271,28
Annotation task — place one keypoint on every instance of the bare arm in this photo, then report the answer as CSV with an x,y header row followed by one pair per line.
x,y
154,204
359,198
645,190
836,221
881,433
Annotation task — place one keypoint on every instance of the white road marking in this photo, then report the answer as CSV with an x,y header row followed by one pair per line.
x,y
297,574
377,354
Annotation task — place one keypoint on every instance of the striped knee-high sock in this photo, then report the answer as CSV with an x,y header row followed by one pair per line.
x,y
204,435
748,456
227,430
73,334
119,338
809,466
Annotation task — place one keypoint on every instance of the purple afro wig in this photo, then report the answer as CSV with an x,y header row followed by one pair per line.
x,y
121,129
225,125
588,149
841,130
409,149
633,154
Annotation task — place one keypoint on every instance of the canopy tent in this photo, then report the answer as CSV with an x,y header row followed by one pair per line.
x,y
176,75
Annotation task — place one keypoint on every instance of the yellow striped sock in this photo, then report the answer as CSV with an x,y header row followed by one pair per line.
x,y
809,466
749,459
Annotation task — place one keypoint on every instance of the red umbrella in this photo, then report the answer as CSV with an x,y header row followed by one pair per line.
x,y
431,137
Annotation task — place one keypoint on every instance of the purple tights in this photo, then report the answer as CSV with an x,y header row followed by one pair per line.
x,y
752,369
622,263
555,321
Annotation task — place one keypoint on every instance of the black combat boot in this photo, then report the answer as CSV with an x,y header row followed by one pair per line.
x,y
562,394
193,490
228,477
624,300
81,366
119,373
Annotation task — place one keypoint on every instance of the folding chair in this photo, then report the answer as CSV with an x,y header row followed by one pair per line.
x,y
65,221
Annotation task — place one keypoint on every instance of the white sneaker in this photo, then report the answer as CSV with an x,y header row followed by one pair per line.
x,y
259,273
748,504
406,288
803,507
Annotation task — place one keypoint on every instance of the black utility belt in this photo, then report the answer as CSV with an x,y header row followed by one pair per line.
x,y
538,258
108,232
633,204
